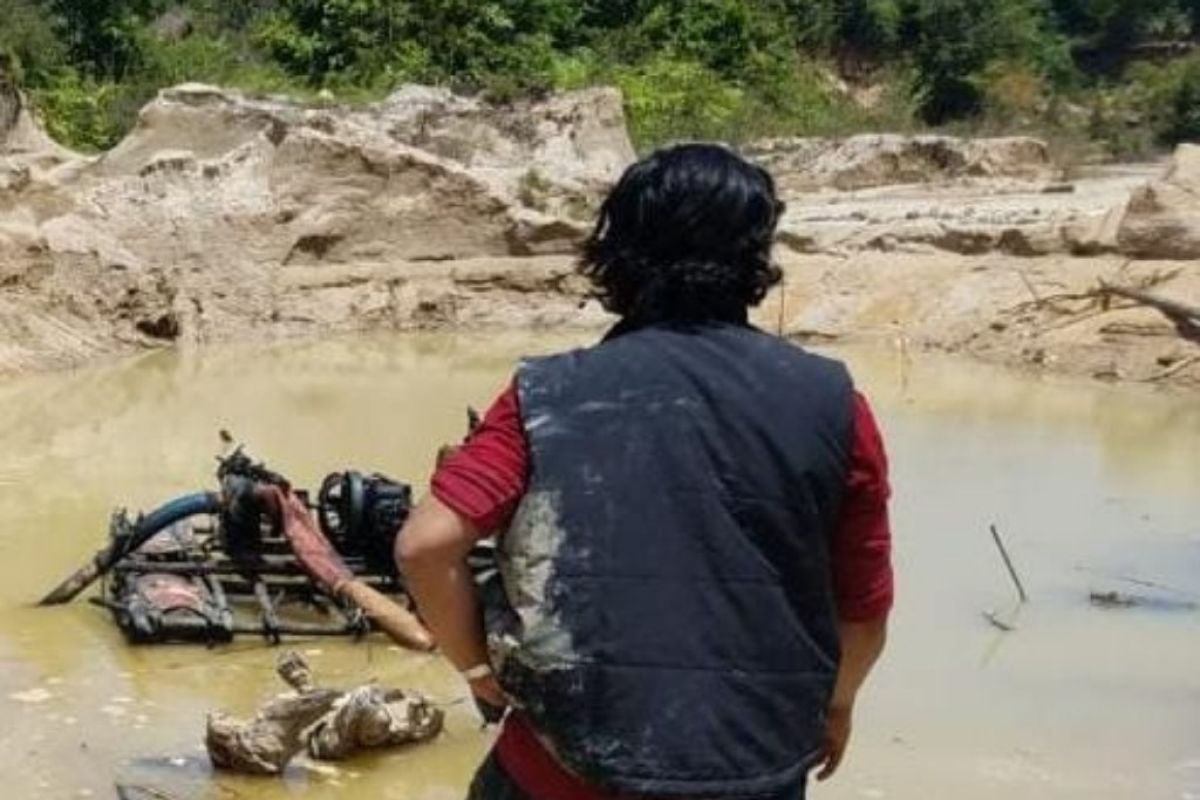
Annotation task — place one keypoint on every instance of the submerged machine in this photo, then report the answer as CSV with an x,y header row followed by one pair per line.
x,y
210,566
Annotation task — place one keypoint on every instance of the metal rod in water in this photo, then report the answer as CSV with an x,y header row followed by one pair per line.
x,y
1008,563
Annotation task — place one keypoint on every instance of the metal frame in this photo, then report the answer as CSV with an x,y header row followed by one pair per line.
x,y
260,594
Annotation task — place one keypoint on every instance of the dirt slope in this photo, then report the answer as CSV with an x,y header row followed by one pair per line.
x,y
1042,314
222,216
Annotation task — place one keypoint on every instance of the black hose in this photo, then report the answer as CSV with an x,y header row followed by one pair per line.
x,y
142,531
166,515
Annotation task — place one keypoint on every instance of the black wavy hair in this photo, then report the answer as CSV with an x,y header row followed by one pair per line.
x,y
685,236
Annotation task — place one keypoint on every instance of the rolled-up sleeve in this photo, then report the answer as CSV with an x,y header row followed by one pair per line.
x,y
862,544
483,480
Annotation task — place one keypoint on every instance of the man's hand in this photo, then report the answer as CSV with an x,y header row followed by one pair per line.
x,y
862,642
488,690
432,551
837,738
489,699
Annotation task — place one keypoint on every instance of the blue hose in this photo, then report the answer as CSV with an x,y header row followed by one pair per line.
x,y
157,520
166,515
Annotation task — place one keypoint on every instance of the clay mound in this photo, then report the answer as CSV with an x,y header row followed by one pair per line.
x,y
557,155
10,109
220,214
27,154
19,133
1011,216
580,135
1162,219
212,177
872,160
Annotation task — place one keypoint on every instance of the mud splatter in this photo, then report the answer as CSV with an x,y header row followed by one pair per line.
x,y
531,545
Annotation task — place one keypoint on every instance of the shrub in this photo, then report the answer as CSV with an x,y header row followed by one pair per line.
x,y
725,69
1013,92
1182,122
319,38
869,28
506,46
955,41
80,111
671,99
29,47
668,99
103,35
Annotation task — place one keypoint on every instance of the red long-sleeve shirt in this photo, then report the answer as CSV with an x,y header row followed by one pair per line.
x,y
485,479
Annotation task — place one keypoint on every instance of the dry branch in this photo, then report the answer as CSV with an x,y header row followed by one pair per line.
x,y
1177,367
1012,571
1186,317
1171,308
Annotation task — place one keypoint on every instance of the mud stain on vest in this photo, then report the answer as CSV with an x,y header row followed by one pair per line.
x,y
530,548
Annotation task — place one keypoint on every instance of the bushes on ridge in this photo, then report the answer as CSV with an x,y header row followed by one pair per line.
x,y
729,69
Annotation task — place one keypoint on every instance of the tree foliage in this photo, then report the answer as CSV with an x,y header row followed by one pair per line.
x,y
1183,122
730,68
30,47
955,41
454,41
102,35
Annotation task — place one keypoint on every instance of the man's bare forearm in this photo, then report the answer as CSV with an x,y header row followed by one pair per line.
x,y
862,643
432,551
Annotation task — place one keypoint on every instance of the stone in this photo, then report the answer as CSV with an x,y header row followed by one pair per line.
x,y
1096,233
1162,220
871,160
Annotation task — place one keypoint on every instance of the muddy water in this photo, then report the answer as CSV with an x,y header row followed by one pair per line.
x,y
1090,485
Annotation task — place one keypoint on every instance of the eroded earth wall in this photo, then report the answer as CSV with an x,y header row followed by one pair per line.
x,y
220,216
223,217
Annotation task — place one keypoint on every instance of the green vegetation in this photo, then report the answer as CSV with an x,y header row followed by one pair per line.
x,y
1119,72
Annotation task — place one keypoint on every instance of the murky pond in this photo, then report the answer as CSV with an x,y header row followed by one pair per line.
x,y
1092,487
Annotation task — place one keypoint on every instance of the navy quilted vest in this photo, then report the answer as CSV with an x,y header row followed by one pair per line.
x,y
673,629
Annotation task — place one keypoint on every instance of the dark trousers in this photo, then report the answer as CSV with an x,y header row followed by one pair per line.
x,y
491,782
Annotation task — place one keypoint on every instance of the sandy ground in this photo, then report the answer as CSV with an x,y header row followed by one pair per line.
x,y
1034,313
227,218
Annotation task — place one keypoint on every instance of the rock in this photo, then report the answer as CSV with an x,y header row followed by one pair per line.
x,y
10,106
578,135
1095,233
19,132
968,217
1030,240
798,240
1162,220
130,791
967,241
871,160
